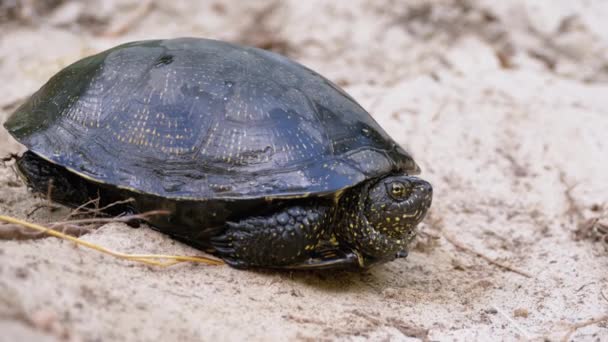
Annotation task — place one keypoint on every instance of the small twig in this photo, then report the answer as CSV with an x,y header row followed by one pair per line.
x,y
49,192
16,232
83,210
583,286
574,327
113,204
518,169
125,218
51,206
439,110
371,319
48,201
9,158
485,257
77,211
149,259
70,227
513,323
408,330
574,209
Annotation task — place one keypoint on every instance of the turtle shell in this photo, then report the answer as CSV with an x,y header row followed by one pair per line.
x,y
202,119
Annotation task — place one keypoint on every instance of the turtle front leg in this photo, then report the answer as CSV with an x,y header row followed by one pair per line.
x,y
285,239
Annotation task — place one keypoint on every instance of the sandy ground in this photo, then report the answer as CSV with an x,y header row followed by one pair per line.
x,y
503,104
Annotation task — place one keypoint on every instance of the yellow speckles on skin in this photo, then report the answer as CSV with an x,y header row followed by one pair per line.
x,y
333,240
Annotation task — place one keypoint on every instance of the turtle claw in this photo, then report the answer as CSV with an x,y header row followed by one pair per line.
x,y
329,258
220,240
224,250
402,254
222,246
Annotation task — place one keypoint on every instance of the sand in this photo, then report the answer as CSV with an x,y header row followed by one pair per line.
x,y
503,104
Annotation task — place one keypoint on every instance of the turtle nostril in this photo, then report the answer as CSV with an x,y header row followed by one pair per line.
x,y
425,187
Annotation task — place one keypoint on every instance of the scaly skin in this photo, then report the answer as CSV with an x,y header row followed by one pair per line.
x,y
284,238
369,225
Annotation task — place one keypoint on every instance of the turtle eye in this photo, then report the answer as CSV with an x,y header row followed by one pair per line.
x,y
397,190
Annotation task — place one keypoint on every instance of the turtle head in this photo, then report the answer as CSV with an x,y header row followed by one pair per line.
x,y
380,217
396,204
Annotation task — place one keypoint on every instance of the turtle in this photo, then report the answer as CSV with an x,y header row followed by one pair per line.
x,y
256,158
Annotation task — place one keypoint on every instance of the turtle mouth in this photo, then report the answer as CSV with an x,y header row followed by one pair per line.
x,y
419,201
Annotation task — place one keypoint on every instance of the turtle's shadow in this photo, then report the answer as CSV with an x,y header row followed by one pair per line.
x,y
330,280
